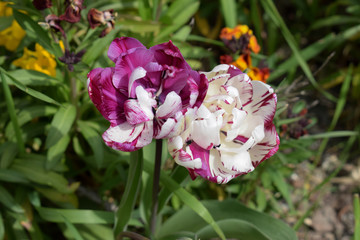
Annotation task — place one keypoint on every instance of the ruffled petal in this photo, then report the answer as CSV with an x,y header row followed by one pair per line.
x,y
266,148
169,54
134,112
120,46
170,106
127,137
105,96
263,102
244,85
206,132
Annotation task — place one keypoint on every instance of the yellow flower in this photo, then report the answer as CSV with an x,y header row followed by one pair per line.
x,y
11,36
39,60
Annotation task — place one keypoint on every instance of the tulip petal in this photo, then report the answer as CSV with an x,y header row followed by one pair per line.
x,y
136,74
105,97
267,147
134,112
120,46
263,102
170,106
206,132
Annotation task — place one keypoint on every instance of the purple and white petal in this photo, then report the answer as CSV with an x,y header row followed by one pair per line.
x,y
120,46
170,106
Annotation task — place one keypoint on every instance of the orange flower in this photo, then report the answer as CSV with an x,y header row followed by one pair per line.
x,y
244,62
240,38
259,74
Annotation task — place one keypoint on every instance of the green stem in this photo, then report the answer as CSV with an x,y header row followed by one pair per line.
x,y
11,108
156,181
128,200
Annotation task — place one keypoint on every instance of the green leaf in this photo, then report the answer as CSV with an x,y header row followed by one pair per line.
x,y
11,109
179,175
334,20
282,186
76,216
34,78
29,113
97,47
8,175
270,9
228,8
180,13
145,10
331,135
61,124
72,229
35,172
30,91
187,198
95,232
8,201
253,224
8,151
56,152
357,217
94,140
233,229
34,31
338,110
132,189
307,54
182,34
5,22
2,227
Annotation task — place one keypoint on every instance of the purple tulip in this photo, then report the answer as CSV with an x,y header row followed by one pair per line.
x,y
150,93
233,130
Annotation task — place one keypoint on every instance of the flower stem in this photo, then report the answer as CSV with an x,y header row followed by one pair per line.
x,y
156,180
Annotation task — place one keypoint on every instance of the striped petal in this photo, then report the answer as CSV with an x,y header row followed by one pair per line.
x,y
120,46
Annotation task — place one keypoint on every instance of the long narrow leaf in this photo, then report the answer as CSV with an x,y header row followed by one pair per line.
x,y
270,8
11,108
132,188
30,91
34,31
2,227
338,111
72,229
188,199
357,217
8,201
61,124
76,216
228,8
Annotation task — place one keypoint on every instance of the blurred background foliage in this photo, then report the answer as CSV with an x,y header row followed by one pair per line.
x,y
59,179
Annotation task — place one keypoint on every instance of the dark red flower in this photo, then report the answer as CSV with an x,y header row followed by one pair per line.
x,y
226,59
42,4
97,18
72,11
53,22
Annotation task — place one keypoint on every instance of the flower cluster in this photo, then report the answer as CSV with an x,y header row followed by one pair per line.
x,y
218,124
11,36
72,14
39,60
240,40
150,93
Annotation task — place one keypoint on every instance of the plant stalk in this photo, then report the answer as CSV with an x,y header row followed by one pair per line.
x,y
156,181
